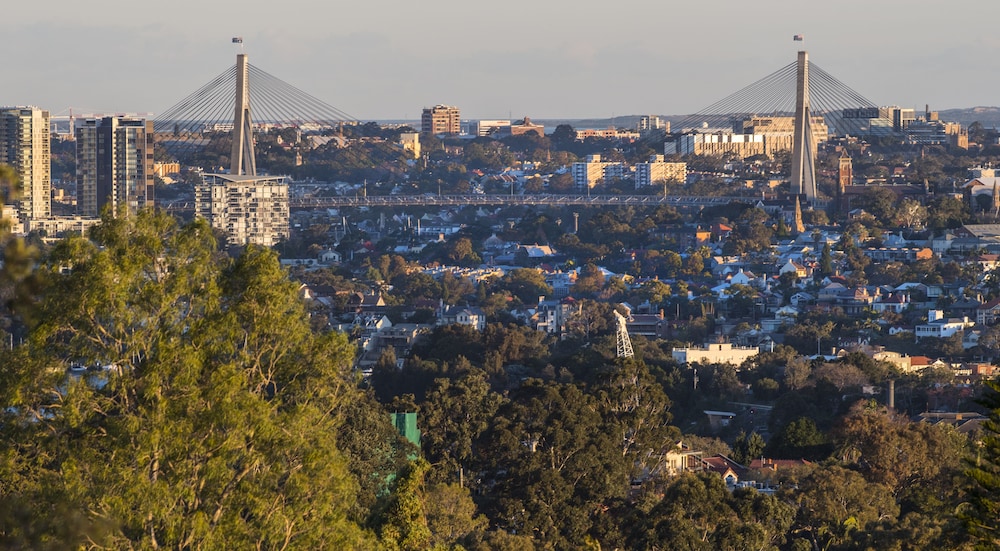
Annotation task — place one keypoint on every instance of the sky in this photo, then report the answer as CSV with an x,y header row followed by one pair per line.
x,y
546,59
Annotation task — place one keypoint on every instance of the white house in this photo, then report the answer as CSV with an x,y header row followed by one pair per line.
x,y
714,353
939,326
463,315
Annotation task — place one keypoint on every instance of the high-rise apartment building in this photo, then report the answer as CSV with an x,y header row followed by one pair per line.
x,y
589,173
658,171
114,164
250,209
25,145
440,119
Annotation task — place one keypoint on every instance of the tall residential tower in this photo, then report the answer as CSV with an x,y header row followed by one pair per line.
x,y
440,119
114,164
25,145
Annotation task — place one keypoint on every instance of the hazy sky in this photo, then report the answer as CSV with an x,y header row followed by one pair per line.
x,y
377,59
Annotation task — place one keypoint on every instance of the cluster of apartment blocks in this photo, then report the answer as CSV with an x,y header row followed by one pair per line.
x,y
763,135
115,169
594,170
114,164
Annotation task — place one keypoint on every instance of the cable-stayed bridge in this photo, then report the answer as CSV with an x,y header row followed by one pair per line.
x,y
187,127
812,103
776,95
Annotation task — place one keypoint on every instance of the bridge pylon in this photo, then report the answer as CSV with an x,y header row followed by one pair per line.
x,y
803,140
242,159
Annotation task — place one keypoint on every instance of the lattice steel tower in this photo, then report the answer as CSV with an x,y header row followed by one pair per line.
x,y
623,342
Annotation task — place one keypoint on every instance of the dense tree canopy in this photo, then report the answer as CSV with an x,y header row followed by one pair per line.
x,y
213,421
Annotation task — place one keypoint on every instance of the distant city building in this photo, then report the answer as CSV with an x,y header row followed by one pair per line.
x,y
481,128
748,137
658,171
56,226
716,143
25,145
163,169
778,132
924,132
440,119
588,173
630,135
114,164
526,127
901,117
410,141
881,121
714,353
250,209
651,123
845,172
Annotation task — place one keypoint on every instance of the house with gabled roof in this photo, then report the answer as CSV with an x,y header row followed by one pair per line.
x,y
895,302
792,267
988,313
462,315
729,470
941,327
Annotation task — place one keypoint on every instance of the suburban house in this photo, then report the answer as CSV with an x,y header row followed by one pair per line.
x,y
714,353
941,327
462,315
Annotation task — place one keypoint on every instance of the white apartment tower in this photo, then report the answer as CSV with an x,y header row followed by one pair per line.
x,y
588,173
25,145
250,209
114,164
659,171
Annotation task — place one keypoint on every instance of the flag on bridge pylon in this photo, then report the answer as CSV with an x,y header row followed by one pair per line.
x,y
237,40
798,38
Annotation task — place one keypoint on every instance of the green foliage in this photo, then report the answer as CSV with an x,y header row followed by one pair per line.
x,y
893,451
800,439
553,462
404,527
748,447
982,517
452,516
525,284
699,512
834,502
454,415
215,425
637,409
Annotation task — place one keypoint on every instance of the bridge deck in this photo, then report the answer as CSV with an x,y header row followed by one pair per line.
x,y
484,200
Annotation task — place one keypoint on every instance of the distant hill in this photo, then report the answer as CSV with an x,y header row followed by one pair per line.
x,y
987,116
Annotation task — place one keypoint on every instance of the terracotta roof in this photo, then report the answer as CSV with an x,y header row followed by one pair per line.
x,y
720,464
775,464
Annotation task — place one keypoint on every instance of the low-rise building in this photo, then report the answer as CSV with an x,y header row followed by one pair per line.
x,y
714,353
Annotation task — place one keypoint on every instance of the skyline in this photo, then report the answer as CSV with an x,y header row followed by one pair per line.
x,y
497,61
